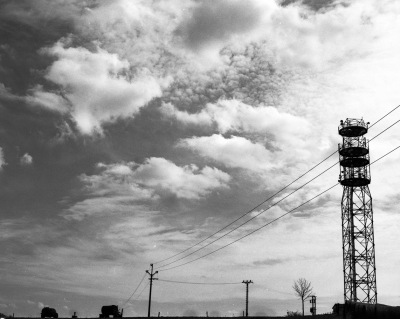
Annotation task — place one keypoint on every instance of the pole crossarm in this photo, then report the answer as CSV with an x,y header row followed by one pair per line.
x,y
151,273
247,282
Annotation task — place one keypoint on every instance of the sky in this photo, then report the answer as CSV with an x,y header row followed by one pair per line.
x,y
132,130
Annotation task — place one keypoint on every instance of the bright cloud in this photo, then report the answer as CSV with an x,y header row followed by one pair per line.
x,y
223,102
159,174
26,160
120,186
232,152
2,162
235,116
185,182
98,86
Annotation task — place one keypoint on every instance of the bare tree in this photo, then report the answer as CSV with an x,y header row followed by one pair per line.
x,y
303,290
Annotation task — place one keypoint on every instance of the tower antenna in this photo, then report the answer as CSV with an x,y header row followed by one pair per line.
x,y
359,266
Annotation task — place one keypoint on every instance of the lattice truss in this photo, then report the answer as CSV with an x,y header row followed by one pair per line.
x,y
358,254
357,216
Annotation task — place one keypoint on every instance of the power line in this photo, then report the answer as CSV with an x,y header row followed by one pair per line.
x,y
385,155
269,198
248,212
252,232
384,116
279,292
134,291
200,283
141,292
221,283
384,130
249,220
274,220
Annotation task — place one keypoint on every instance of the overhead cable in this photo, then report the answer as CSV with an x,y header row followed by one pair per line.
x,y
384,116
263,203
200,283
272,196
141,292
249,220
252,232
274,220
248,212
135,290
384,130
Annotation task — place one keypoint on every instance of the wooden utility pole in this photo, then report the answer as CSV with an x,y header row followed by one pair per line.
x,y
151,273
247,282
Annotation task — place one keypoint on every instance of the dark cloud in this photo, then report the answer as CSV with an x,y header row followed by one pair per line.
x,y
25,27
38,187
213,21
250,75
270,262
66,236
312,4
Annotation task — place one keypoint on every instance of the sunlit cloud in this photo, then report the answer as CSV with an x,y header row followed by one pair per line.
x,y
97,85
146,126
26,160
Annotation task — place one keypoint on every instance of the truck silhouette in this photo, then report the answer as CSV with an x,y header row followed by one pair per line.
x,y
48,312
107,311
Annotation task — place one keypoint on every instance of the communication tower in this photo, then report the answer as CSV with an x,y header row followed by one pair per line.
x,y
359,267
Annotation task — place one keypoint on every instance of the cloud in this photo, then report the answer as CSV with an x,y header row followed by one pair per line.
x,y
236,116
96,86
185,182
41,305
26,160
161,175
6,94
235,151
2,162
315,5
212,22
49,100
270,262
125,187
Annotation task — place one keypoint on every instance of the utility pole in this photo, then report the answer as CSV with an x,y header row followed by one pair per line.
x,y
151,273
247,282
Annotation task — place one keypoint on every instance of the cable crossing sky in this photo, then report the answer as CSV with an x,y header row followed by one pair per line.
x,y
269,198
259,228
165,265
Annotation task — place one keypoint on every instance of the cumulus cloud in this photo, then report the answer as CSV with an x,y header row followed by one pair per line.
x,y
263,138
2,162
26,160
185,182
159,174
233,152
98,85
49,100
119,187
233,115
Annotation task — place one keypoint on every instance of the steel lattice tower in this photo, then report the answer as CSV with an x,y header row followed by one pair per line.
x,y
357,218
